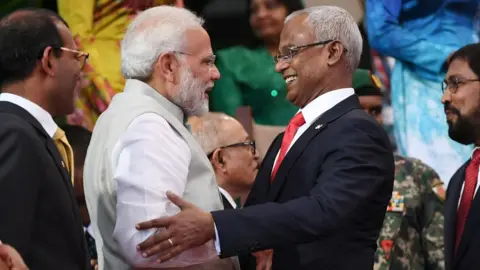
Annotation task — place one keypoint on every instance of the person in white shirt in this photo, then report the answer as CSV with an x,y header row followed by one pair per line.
x,y
141,146
232,154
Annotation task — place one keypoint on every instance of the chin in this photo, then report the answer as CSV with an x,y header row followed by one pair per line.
x,y
460,136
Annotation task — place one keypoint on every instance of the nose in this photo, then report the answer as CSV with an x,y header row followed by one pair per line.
x,y
261,12
281,65
446,97
215,73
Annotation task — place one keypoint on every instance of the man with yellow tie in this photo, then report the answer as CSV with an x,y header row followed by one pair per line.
x,y
40,69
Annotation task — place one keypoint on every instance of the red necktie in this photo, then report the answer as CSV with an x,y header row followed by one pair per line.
x,y
471,178
296,122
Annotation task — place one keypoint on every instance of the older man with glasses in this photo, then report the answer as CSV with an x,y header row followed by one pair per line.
x,y
232,154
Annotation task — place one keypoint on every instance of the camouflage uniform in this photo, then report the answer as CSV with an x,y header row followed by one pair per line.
x,y
412,233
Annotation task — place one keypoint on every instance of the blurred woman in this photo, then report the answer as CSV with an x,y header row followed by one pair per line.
x,y
248,76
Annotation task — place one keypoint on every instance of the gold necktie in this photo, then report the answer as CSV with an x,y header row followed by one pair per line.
x,y
65,150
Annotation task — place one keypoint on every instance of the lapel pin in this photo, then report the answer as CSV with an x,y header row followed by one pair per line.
x,y
318,127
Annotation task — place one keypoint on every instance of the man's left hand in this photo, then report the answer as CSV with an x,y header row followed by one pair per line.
x,y
190,228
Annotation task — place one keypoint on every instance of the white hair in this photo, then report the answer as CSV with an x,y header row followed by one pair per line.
x,y
153,32
335,23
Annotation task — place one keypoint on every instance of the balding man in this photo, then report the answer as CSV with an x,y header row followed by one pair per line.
x,y
320,195
232,154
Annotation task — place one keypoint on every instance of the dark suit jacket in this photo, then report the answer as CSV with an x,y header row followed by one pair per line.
x,y
38,213
327,202
469,247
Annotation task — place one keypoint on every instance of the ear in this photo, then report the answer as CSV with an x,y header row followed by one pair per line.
x,y
218,161
49,61
335,52
168,65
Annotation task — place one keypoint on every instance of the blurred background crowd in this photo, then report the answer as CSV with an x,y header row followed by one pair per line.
x,y
406,44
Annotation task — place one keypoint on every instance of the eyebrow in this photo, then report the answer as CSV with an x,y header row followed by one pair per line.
x,y
287,46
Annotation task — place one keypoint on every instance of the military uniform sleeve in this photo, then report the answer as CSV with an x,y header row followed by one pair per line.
x,y
389,234
433,219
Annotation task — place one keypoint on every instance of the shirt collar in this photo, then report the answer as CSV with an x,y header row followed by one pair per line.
x,y
323,103
473,152
42,116
228,197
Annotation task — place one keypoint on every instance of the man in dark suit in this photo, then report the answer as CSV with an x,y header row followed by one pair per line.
x,y
40,70
461,98
321,193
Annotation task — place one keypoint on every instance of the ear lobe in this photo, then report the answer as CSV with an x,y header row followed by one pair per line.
x,y
218,160
335,52
168,65
48,62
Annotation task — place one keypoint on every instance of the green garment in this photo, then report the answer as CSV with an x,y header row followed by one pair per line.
x,y
248,78
412,233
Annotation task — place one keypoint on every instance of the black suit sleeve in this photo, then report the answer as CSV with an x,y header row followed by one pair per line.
x,y
20,172
353,173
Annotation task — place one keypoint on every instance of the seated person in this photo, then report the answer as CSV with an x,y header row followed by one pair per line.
x,y
232,154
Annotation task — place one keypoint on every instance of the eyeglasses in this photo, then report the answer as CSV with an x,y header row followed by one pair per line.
x,y
250,144
81,57
292,51
454,83
208,61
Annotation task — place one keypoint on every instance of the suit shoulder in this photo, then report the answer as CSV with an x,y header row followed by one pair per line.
x,y
11,123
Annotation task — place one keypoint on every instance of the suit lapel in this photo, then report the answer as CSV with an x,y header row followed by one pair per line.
x,y
291,157
260,187
451,213
302,142
471,225
11,108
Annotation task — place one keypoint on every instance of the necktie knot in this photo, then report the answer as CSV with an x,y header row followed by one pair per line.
x,y
59,134
476,157
298,120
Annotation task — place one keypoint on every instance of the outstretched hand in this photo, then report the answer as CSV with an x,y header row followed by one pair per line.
x,y
190,228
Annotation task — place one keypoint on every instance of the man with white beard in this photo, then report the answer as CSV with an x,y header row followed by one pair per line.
x,y
141,148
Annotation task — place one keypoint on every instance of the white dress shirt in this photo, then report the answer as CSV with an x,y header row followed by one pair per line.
x,y
228,197
89,229
463,185
149,159
42,116
311,112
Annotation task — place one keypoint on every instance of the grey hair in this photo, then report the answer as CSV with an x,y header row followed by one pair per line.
x,y
335,23
209,131
153,32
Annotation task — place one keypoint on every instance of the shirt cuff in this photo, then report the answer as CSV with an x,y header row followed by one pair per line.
x,y
217,241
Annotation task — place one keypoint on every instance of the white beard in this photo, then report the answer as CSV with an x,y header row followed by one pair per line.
x,y
191,93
